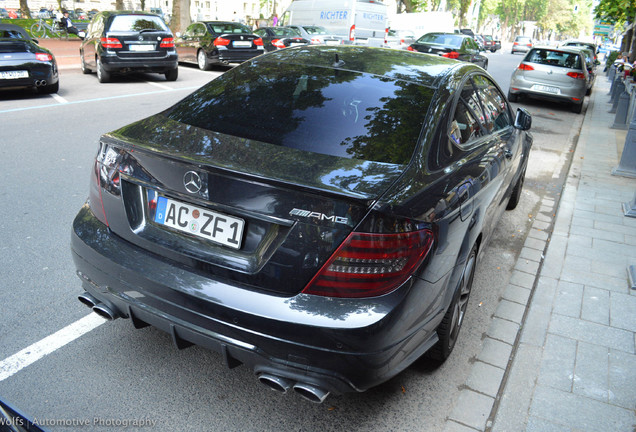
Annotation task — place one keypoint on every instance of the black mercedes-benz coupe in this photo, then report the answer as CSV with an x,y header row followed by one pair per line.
x,y
327,241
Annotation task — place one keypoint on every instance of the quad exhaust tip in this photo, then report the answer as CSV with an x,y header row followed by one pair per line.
x,y
87,300
276,383
104,311
283,385
40,83
311,393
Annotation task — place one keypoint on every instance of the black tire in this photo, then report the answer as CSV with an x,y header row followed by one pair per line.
x,y
588,92
486,65
85,69
172,74
577,108
202,60
103,76
512,97
48,89
449,328
516,192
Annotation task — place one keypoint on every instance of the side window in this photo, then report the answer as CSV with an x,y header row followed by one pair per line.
x,y
260,32
199,30
465,124
496,112
189,31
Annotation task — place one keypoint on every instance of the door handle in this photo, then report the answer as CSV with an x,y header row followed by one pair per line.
x,y
508,154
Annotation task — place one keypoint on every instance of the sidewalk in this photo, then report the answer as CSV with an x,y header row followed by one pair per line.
x,y
66,52
575,365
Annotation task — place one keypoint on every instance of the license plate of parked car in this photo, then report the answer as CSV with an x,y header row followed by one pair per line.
x,y
201,222
144,47
242,44
14,74
547,89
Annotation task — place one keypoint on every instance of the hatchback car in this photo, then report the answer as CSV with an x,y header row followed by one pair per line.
x,y
217,42
490,43
582,44
25,64
280,37
521,44
451,45
121,42
327,241
317,35
552,73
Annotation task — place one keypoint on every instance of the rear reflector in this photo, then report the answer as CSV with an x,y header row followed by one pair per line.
x,y
167,43
524,66
43,56
110,43
369,265
451,55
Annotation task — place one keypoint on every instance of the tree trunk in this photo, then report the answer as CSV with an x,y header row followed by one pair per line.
x,y
180,19
119,4
24,9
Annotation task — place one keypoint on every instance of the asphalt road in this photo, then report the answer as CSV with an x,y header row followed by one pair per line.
x,y
115,376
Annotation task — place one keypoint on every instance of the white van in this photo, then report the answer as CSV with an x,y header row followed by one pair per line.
x,y
362,22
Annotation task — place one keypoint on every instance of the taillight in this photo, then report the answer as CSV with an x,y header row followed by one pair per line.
x,y
220,41
386,36
278,43
368,265
315,40
352,33
111,42
43,56
167,43
410,48
524,66
576,75
258,42
104,173
515,43
451,55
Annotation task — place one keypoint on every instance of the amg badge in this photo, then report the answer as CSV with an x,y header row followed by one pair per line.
x,y
319,216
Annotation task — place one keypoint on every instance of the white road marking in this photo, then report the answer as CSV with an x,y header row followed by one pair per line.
x,y
59,98
35,352
161,86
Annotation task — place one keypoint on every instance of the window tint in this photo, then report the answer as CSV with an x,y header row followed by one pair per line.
x,y
554,58
442,39
137,23
235,28
338,113
465,127
496,114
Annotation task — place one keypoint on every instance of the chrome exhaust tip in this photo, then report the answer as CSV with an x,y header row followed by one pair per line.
x,y
276,383
40,83
105,312
311,393
87,300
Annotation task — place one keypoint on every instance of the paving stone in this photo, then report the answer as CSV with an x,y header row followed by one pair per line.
x,y
525,265
610,227
569,297
586,331
538,319
531,254
614,248
598,217
623,311
537,234
495,352
584,206
510,311
596,305
582,222
594,279
622,379
557,365
472,409
576,264
537,224
547,218
611,208
452,426
592,371
503,330
522,279
516,398
554,256
579,412
598,234
517,294
630,240
485,378
535,243
610,268
536,424
548,210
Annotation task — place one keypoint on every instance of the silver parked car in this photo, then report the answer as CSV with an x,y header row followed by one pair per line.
x,y
317,35
552,73
521,44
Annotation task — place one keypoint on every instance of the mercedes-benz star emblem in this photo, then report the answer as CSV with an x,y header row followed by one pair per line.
x,y
192,182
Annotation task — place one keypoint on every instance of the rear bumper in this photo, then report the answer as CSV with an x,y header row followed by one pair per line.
x,y
339,345
234,56
43,73
519,85
115,64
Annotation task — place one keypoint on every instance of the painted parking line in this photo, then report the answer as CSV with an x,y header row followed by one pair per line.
x,y
44,347
101,99
59,98
161,86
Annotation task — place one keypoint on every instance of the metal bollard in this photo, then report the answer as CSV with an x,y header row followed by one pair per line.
x,y
611,74
619,90
629,208
627,165
617,87
620,120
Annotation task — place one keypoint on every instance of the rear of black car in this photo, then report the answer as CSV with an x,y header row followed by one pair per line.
x,y
24,64
260,233
233,43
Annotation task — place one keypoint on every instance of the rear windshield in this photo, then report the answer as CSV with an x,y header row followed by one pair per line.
x,y
315,30
554,58
333,112
137,23
12,34
442,39
228,28
284,31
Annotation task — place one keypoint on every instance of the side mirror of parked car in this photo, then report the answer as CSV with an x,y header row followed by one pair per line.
x,y
523,119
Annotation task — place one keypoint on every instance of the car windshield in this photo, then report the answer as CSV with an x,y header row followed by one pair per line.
x,y
12,34
315,30
441,39
555,58
333,112
137,23
284,31
228,28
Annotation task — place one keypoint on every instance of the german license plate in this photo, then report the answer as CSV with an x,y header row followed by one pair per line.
x,y
293,44
14,74
201,222
547,89
242,44
141,47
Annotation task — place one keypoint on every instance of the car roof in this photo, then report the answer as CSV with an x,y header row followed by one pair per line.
x,y
418,68
15,28
571,50
127,12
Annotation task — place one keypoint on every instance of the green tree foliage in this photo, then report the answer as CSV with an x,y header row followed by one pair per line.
x,y
616,11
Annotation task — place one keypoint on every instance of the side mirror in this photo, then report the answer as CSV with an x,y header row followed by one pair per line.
x,y
523,119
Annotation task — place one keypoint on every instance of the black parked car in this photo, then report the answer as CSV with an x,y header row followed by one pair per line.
x,y
24,63
121,42
209,42
326,241
280,37
451,45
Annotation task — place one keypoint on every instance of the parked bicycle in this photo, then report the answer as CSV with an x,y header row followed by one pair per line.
x,y
55,29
